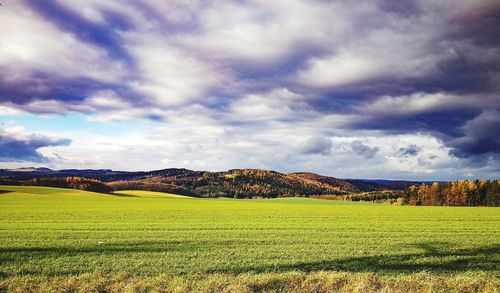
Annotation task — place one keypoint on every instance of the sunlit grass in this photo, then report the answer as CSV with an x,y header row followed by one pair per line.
x,y
60,232
142,193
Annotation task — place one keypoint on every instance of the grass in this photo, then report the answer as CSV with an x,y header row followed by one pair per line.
x,y
265,282
149,194
50,236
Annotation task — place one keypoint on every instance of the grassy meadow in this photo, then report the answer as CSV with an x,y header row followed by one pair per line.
x,y
62,240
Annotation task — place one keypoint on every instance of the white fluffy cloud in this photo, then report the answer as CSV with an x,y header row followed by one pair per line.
x,y
30,43
169,76
277,104
262,31
400,50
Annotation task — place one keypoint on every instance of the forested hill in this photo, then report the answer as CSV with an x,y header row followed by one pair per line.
x,y
233,183
238,183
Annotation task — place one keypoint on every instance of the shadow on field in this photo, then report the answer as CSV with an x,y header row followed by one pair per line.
x,y
97,248
435,257
432,256
5,191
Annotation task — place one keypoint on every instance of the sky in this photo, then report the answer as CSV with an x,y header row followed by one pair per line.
x,y
377,89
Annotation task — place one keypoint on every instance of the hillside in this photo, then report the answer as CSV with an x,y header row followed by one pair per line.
x,y
237,183
332,181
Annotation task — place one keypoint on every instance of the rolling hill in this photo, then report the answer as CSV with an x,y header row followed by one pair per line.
x,y
238,183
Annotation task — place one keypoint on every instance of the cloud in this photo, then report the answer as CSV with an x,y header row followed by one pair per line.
x,y
459,121
263,32
168,76
18,146
277,104
427,41
39,59
99,102
176,53
481,135
364,150
317,146
418,103
410,151
225,79
403,49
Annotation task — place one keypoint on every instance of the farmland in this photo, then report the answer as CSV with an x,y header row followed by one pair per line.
x,y
139,235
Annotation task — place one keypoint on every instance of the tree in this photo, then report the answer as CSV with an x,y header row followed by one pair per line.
x,y
423,195
435,195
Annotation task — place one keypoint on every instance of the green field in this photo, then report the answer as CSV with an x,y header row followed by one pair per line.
x,y
137,235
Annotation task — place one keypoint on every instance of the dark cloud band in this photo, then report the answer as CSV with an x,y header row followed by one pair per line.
x,y
17,146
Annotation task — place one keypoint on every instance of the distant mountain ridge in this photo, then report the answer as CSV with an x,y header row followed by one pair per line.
x,y
231,183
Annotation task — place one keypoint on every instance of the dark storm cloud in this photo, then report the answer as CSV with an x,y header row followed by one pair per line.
x,y
19,147
444,123
481,25
42,86
481,135
465,123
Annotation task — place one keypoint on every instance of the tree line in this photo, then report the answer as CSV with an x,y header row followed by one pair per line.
x,y
458,193
267,184
70,182
149,186
380,196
